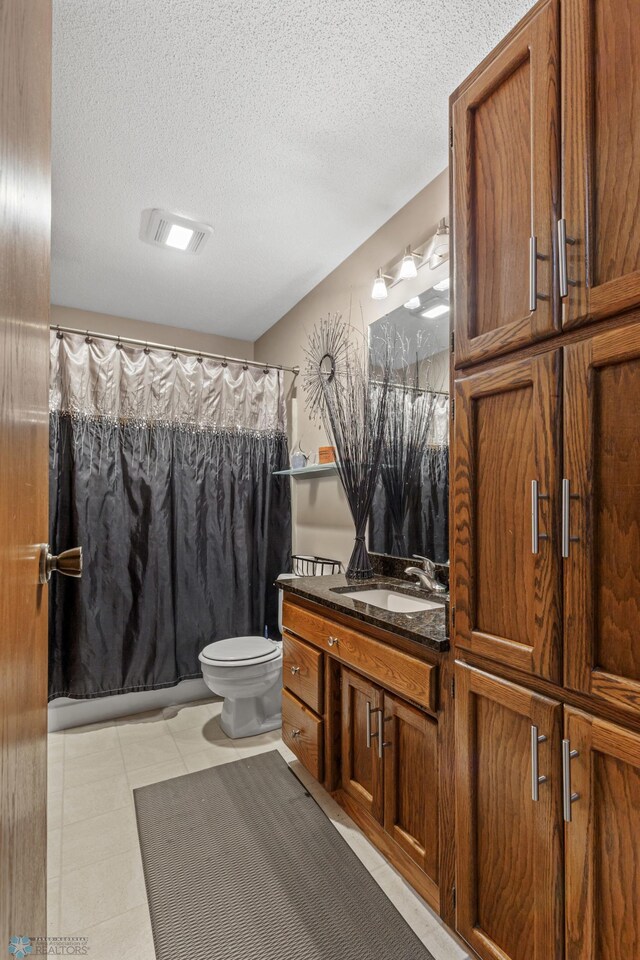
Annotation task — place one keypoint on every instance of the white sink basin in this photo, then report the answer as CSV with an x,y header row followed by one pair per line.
x,y
392,601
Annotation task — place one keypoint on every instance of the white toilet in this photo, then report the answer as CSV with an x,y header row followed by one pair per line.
x,y
247,672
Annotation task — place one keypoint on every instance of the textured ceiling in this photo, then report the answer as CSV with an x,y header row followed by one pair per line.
x,y
295,127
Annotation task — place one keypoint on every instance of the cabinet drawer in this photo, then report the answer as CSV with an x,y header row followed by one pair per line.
x,y
302,672
392,669
302,733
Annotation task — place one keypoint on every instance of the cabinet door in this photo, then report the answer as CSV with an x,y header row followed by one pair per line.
x,y
506,588
602,841
601,165
602,516
362,723
505,169
411,782
508,845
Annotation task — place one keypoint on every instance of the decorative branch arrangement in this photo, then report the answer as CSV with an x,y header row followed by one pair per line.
x,y
353,410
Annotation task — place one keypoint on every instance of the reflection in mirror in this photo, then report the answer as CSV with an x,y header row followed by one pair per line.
x,y
410,508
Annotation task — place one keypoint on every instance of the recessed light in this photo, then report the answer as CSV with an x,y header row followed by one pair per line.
x,y
442,284
164,229
438,311
413,304
179,237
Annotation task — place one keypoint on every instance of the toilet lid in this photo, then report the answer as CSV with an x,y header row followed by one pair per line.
x,y
238,649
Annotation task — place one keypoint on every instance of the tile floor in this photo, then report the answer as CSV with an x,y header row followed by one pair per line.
x,y
96,883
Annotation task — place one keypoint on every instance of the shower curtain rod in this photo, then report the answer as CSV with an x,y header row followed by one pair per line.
x,y
184,350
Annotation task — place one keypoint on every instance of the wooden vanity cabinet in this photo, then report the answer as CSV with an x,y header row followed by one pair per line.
x,y
505,186
347,717
362,712
390,769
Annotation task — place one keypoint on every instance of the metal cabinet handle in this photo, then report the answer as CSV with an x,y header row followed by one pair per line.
x,y
332,641
536,779
295,670
567,797
563,240
536,536
295,733
567,497
68,563
380,735
534,256
370,711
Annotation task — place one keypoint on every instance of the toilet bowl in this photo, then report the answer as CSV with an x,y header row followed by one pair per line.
x,y
247,672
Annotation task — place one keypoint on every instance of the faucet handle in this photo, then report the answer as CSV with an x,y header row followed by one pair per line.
x,y
428,565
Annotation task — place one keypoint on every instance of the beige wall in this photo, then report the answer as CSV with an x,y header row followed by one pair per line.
x,y
153,332
321,520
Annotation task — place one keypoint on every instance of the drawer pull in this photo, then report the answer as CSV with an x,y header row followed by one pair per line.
x,y
333,641
295,733
295,670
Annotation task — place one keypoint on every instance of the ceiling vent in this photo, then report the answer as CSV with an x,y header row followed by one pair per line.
x,y
163,229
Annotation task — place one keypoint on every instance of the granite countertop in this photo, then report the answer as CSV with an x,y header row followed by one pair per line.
x,y
426,627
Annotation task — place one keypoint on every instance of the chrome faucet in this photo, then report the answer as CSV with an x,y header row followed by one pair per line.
x,y
426,575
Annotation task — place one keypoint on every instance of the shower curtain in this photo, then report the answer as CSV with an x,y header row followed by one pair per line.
x,y
162,469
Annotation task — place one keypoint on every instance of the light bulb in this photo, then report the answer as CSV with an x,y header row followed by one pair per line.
x,y
442,285
413,304
179,237
408,269
438,250
379,290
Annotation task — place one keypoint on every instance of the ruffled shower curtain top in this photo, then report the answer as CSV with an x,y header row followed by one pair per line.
x,y
162,469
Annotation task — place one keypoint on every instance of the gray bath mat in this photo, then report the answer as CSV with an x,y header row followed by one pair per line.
x,y
242,864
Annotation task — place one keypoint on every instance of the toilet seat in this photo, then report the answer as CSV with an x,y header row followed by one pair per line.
x,y
240,651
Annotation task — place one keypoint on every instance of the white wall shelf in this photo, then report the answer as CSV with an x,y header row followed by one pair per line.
x,y
316,470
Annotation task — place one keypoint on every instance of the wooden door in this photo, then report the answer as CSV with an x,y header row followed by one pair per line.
x,y
601,163
508,845
362,723
505,185
506,437
602,517
411,782
602,841
25,224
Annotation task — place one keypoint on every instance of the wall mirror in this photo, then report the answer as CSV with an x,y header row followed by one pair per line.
x,y
410,508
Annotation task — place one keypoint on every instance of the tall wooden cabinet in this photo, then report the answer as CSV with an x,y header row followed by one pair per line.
x,y
601,157
546,492
508,830
505,129
602,516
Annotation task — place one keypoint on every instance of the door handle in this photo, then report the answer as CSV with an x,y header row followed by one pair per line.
x,y
567,497
567,796
536,536
536,779
563,240
382,743
68,563
368,724
534,256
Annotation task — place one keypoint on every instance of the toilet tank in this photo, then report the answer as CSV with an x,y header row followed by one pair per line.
x,y
283,576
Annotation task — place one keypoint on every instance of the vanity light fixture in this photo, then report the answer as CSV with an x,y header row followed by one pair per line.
x,y
442,284
379,290
438,249
438,311
413,303
408,268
